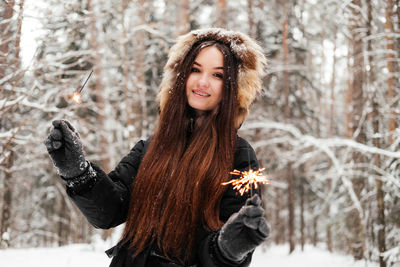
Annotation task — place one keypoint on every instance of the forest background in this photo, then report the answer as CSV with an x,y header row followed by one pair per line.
x,y
326,127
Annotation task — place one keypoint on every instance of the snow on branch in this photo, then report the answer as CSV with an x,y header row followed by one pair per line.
x,y
73,54
151,30
4,156
392,254
285,67
4,103
11,76
9,133
44,108
325,145
321,142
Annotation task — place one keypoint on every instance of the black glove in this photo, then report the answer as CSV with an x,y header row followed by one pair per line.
x,y
65,149
243,231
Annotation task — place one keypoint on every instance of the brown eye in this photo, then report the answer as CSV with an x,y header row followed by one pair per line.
x,y
219,75
194,70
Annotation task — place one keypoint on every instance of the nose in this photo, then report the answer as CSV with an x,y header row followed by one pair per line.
x,y
203,81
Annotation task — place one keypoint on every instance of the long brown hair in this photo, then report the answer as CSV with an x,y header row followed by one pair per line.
x,y
178,186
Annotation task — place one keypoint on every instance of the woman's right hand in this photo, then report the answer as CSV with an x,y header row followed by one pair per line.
x,y
65,149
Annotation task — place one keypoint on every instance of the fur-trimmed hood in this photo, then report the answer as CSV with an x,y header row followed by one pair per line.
x,y
252,64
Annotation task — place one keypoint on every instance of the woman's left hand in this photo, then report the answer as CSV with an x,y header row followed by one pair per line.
x,y
243,231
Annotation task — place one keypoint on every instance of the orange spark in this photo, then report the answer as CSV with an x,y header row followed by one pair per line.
x,y
77,97
77,94
247,179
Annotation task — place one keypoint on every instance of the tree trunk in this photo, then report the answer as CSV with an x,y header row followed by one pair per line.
x,y
278,222
99,87
63,224
5,226
375,124
328,230
183,25
333,83
390,59
139,70
250,17
95,45
5,33
9,59
260,23
17,63
315,231
287,112
290,178
221,13
285,60
331,134
398,26
348,98
357,126
379,191
302,224
125,73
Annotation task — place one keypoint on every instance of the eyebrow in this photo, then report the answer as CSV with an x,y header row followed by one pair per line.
x,y
198,64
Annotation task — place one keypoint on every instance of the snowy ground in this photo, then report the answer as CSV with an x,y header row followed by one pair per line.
x,y
83,255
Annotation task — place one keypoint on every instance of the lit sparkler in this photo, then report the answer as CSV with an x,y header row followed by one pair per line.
x,y
77,94
77,97
247,179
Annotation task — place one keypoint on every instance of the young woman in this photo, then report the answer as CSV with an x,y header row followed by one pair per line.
x,y
168,188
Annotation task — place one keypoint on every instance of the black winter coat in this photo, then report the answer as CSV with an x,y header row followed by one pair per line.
x,y
104,201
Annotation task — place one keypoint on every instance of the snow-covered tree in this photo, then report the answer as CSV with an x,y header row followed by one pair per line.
x,y
325,127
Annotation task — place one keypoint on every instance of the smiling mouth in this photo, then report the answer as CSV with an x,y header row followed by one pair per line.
x,y
200,93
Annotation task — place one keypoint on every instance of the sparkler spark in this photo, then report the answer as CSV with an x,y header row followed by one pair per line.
x,y
77,97
247,178
77,94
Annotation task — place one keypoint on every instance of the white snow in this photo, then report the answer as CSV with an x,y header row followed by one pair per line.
x,y
79,255
278,256
84,255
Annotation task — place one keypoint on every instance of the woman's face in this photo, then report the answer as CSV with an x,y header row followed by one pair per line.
x,y
205,81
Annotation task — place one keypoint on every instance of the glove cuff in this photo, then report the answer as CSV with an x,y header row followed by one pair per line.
x,y
218,253
83,182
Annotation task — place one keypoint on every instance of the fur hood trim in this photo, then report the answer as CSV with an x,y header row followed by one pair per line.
x,y
252,64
